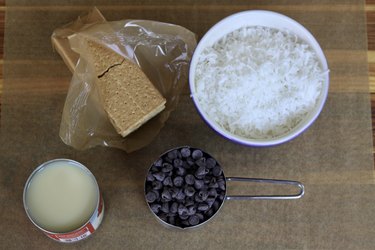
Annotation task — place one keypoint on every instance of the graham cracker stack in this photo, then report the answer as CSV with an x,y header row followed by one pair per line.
x,y
129,98
60,41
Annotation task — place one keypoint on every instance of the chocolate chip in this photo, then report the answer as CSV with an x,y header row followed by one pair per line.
x,y
189,191
198,184
197,154
166,195
189,179
171,220
216,171
193,220
185,165
189,201
210,163
197,198
221,184
163,217
207,179
200,171
150,177
158,163
180,195
154,169
212,192
177,163
182,209
218,178
185,222
213,183
210,201
167,159
178,181
185,152
191,210
221,196
173,208
151,196
190,161
165,207
181,171
200,216
159,176
203,194
216,205
202,163
172,154
200,177
168,181
179,156
155,207
210,212
174,191
184,216
167,167
157,185
203,207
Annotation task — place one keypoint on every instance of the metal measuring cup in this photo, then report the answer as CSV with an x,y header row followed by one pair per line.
x,y
221,200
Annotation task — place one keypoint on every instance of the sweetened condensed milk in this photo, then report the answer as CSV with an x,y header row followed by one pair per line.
x,y
62,198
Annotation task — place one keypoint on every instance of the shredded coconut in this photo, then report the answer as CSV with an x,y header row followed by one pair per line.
x,y
258,82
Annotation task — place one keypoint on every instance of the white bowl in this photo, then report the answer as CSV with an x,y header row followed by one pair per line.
x,y
266,19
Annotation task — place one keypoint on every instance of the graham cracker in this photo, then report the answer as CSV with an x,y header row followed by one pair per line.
x,y
60,41
129,98
102,57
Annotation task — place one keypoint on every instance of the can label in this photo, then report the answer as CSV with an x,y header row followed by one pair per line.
x,y
83,232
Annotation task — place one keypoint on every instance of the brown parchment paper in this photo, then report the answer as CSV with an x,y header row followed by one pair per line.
x,y
333,158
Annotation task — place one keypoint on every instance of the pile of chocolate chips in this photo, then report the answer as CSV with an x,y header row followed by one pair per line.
x,y
185,187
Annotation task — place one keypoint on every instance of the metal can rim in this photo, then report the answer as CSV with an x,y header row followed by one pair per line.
x,y
40,168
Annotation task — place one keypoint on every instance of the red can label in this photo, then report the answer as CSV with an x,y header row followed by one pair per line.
x,y
85,231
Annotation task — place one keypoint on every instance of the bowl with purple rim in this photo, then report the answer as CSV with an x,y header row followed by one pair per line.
x,y
259,107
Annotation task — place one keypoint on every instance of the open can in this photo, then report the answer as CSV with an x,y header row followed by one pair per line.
x,y
161,207
64,216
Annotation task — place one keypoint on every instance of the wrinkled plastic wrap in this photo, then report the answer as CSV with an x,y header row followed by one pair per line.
x,y
163,51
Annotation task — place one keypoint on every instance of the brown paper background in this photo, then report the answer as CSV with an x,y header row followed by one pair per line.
x,y
333,158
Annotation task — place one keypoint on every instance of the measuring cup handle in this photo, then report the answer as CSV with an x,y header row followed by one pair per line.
x,y
267,197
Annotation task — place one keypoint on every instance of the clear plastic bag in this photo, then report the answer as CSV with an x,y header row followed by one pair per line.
x,y
163,51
